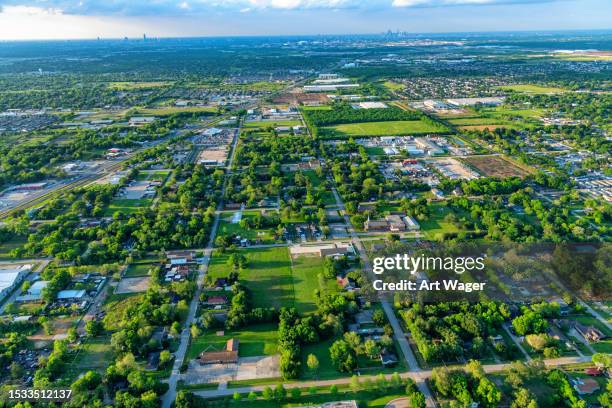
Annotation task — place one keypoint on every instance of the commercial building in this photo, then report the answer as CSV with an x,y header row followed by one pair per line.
x,y
10,278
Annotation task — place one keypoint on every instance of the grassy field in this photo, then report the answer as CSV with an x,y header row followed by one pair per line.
x,y
95,355
436,224
306,270
275,123
115,306
138,269
499,116
152,175
268,275
391,128
124,86
8,246
393,86
531,88
258,340
227,228
171,110
126,206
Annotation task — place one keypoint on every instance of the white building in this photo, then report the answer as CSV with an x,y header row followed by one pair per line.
x,y
11,278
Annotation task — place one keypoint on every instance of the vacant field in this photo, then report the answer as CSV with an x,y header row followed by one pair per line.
x,y
393,86
226,227
530,88
306,271
115,306
392,128
495,166
171,110
124,86
271,123
436,223
94,355
138,269
126,206
257,340
267,275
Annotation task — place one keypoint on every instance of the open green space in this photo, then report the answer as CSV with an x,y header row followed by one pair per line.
x,y
138,269
8,246
172,110
267,275
392,128
307,277
226,227
270,123
436,225
257,340
115,306
531,88
94,355
127,206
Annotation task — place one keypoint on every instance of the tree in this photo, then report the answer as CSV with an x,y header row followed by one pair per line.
x,y
371,348
312,362
487,393
236,396
342,356
72,335
252,396
523,399
296,393
267,394
93,328
16,370
417,400
280,392
164,358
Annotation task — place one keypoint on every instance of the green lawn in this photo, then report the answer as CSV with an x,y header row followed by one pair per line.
x,y
227,228
95,355
272,123
138,269
126,206
152,175
385,128
8,246
267,275
531,88
258,340
436,224
171,110
306,271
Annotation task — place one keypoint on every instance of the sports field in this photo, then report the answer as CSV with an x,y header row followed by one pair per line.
x,y
392,128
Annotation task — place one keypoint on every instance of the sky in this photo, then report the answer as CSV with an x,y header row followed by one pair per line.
x,y
65,19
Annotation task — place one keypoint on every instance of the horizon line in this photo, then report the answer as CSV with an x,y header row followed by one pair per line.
x,y
204,36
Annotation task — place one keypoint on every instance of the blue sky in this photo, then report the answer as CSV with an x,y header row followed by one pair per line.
x,y
50,19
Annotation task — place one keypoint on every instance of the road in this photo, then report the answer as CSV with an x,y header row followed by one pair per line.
x,y
398,332
418,377
179,356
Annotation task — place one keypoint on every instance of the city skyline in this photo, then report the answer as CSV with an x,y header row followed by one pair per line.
x,y
27,20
